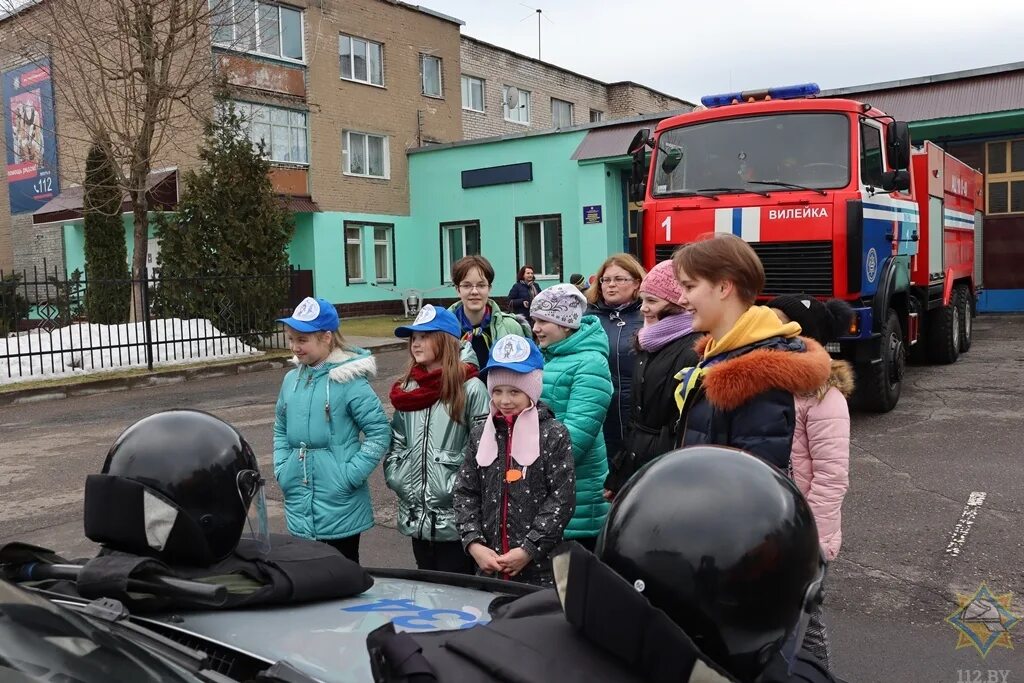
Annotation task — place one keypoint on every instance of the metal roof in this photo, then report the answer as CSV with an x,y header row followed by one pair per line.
x,y
68,204
956,94
609,141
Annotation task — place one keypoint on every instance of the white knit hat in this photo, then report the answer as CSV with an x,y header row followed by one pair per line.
x,y
562,304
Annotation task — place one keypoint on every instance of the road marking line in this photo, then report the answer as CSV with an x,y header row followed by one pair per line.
x,y
966,521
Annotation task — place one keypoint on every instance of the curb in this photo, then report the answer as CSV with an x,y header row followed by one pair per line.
x,y
155,379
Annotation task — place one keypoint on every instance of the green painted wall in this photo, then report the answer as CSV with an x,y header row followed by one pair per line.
x,y
74,242
560,185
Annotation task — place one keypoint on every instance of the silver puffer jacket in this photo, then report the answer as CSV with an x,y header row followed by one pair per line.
x,y
426,453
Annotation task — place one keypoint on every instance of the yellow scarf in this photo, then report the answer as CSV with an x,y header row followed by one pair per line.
x,y
757,324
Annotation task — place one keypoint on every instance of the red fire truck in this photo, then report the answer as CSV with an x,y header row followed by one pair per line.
x,y
836,202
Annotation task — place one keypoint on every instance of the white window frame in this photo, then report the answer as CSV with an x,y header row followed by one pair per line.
x,y
424,60
346,154
596,116
358,242
246,110
389,243
508,111
446,254
467,87
352,65
540,272
237,6
572,112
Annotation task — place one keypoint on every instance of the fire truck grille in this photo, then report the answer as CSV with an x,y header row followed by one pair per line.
x,y
789,267
796,267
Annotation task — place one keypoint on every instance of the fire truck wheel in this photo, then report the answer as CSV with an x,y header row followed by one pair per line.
x,y
943,333
878,385
963,300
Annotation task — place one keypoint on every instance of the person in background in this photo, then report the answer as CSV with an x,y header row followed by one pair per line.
x,y
616,303
664,347
515,491
820,460
578,388
436,405
481,319
325,403
579,281
523,291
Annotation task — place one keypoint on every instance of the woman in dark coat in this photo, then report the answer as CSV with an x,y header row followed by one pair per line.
x,y
523,291
665,345
615,300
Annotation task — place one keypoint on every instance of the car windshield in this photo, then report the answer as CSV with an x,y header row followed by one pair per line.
x,y
754,154
42,640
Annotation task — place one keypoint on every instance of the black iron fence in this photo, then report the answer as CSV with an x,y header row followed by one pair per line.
x,y
51,326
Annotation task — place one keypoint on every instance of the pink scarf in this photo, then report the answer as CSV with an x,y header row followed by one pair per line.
x,y
525,444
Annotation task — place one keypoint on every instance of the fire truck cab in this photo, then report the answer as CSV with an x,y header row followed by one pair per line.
x,y
836,203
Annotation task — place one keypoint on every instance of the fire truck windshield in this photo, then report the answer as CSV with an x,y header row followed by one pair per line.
x,y
753,154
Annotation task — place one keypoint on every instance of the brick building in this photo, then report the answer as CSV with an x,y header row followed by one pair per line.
x,y
504,92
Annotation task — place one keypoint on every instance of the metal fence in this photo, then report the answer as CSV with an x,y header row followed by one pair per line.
x,y
46,329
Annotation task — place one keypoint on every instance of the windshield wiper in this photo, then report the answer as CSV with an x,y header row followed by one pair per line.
x,y
688,193
792,186
732,189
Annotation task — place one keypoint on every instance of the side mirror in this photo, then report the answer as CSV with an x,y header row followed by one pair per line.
x,y
897,135
641,141
673,157
896,181
638,175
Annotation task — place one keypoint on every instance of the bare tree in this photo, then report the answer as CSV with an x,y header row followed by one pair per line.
x,y
136,74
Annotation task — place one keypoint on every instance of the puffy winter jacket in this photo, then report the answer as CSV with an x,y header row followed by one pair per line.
x,y
653,416
746,400
318,459
501,324
620,324
821,453
532,511
578,388
426,452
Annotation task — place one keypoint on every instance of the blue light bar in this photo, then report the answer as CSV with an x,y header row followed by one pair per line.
x,y
785,92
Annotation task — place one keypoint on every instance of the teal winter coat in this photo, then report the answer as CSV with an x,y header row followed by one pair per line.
x,y
319,461
578,389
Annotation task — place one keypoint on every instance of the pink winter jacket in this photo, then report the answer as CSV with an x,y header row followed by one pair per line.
x,y
821,453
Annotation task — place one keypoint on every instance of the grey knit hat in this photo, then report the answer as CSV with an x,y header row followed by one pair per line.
x,y
561,304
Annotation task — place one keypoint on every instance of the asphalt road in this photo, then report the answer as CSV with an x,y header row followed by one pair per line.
x,y
911,540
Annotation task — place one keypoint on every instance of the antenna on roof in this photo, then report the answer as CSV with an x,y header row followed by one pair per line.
x,y
539,13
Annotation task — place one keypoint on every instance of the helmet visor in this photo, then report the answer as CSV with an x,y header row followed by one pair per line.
x,y
812,600
254,501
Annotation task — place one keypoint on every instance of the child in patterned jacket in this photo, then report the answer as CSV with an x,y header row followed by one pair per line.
x,y
515,492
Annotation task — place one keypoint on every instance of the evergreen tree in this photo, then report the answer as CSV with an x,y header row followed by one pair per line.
x,y
223,255
108,286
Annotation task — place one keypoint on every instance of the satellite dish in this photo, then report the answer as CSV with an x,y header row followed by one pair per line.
x,y
512,97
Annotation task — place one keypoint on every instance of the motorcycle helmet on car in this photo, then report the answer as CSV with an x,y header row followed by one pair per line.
x,y
726,546
181,486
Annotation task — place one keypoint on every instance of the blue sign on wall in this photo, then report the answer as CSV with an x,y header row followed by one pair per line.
x,y
29,133
592,215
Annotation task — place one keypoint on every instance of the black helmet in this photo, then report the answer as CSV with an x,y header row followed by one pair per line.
x,y
726,546
177,485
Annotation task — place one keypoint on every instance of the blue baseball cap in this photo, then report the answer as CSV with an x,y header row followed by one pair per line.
x,y
313,315
515,354
432,319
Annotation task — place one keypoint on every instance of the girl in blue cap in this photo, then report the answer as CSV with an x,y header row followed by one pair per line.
x,y
324,404
436,405
516,491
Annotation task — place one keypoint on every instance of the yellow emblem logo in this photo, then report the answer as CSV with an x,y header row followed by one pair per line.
x,y
983,620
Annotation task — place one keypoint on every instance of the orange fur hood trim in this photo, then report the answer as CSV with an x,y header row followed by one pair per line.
x,y
731,383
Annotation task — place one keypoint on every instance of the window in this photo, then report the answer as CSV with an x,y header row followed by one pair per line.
x,y
282,131
259,27
361,60
520,112
353,253
457,240
871,164
561,113
384,252
430,68
472,93
540,244
1005,176
366,155
596,115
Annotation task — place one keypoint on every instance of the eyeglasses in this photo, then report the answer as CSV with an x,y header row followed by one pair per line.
x,y
471,287
619,280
